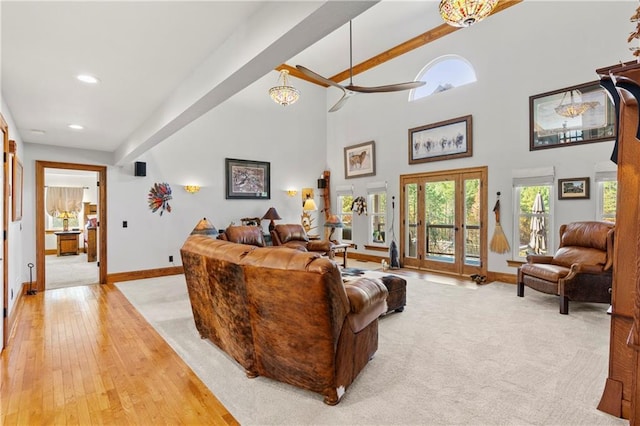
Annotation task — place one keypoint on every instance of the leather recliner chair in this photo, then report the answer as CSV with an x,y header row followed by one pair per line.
x,y
581,270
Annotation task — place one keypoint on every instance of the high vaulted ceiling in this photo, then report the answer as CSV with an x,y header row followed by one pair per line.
x,y
163,64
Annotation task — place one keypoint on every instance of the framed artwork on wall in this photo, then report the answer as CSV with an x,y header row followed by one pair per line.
x,y
444,140
245,179
571,116
16,189
573,188
360,160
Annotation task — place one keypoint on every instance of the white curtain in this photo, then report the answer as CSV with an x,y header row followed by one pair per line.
x,y
60,199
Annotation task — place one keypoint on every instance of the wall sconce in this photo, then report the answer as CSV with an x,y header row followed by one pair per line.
x,y
291,192
192,189
322,183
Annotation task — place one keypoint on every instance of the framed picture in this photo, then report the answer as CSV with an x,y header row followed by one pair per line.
x,y
574,188
16,189
247,179
360,160
444,140
571,116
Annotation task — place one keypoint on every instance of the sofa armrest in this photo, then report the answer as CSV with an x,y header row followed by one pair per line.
x,y
581,268
367,300
322,245
538,258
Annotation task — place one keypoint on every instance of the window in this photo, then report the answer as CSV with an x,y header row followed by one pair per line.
x,y
533,229
343,210
443,73
377,211
607,187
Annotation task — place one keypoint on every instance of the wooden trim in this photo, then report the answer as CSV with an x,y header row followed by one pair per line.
x,y
365,257
13,318
502,277
4,127
147,273
409,45
376,248
102,214
49,252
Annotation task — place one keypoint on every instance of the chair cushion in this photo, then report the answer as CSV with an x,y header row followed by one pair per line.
x,y
567,256
544,271
586,234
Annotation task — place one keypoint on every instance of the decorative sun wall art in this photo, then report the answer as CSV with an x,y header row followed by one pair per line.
x,y
159,196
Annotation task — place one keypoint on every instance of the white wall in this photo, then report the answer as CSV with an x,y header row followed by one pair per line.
x,y
529,49
15,231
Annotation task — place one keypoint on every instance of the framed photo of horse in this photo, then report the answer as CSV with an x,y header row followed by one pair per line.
x,y
444,140
360,160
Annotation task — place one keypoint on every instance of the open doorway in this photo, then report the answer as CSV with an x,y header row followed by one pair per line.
x,y
70,236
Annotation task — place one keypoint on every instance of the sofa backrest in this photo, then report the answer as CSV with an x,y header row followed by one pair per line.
x,y
216,286
589,242
244,234
298,302
290,232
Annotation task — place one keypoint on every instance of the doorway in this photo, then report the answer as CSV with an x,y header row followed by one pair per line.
x,y
444,217
73,240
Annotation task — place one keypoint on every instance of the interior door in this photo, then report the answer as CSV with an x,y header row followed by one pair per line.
x,y
444,221
3,221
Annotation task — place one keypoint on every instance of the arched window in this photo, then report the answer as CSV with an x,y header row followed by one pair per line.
x,y
443,73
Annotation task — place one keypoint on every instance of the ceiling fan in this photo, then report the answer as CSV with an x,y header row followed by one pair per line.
x,y
350,89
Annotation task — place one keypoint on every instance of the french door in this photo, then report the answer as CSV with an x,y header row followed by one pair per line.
x,y
444,219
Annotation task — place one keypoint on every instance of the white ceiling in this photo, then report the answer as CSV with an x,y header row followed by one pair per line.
x,y
148,54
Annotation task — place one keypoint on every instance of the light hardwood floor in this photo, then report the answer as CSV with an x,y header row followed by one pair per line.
x,y
83,355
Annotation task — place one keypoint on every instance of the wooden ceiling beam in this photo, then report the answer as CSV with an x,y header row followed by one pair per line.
x,y
409,45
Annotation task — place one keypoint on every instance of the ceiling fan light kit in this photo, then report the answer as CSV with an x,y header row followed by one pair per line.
x,y
350,89
464,13
284,94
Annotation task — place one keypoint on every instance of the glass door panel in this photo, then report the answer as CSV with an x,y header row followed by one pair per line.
x,y
439,219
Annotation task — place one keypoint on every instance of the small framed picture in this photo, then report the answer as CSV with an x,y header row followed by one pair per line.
x,y
247,179
360,160
573,188
444,140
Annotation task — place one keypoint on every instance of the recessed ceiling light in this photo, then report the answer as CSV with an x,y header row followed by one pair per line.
x,y
76,127
37,131
86,78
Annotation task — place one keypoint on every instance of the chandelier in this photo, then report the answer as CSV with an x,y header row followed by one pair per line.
x,y
284,94
464,13
573,109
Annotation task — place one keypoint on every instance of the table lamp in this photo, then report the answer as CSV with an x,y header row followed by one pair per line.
x,y
333,222
272,215
65,216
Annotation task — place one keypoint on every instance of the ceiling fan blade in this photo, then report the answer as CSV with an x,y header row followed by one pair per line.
x,y
388,88
318,77
342,101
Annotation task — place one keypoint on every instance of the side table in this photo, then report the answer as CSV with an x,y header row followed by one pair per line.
x,y
341,248
67,242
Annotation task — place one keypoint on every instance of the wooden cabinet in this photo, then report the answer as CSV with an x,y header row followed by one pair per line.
x,y
91,244
67,242
621,396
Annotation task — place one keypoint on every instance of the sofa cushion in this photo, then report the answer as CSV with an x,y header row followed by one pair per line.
x,y
251,235
567,256
545,271
291,232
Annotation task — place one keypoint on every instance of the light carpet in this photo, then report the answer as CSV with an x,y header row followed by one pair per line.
x,y
454,356
70,271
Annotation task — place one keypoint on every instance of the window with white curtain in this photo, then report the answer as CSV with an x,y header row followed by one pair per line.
x,y
377,211
533,212
606,201
343,210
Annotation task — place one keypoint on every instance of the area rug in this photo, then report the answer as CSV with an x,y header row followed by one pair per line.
x,y
70,271
454,356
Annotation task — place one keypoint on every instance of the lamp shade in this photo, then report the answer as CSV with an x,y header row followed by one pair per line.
x,y
334,222
463,13
309,205
271,214
204,227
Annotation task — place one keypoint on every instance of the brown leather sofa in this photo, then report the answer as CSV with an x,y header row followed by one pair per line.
x,y
283,313
293,235
581,270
